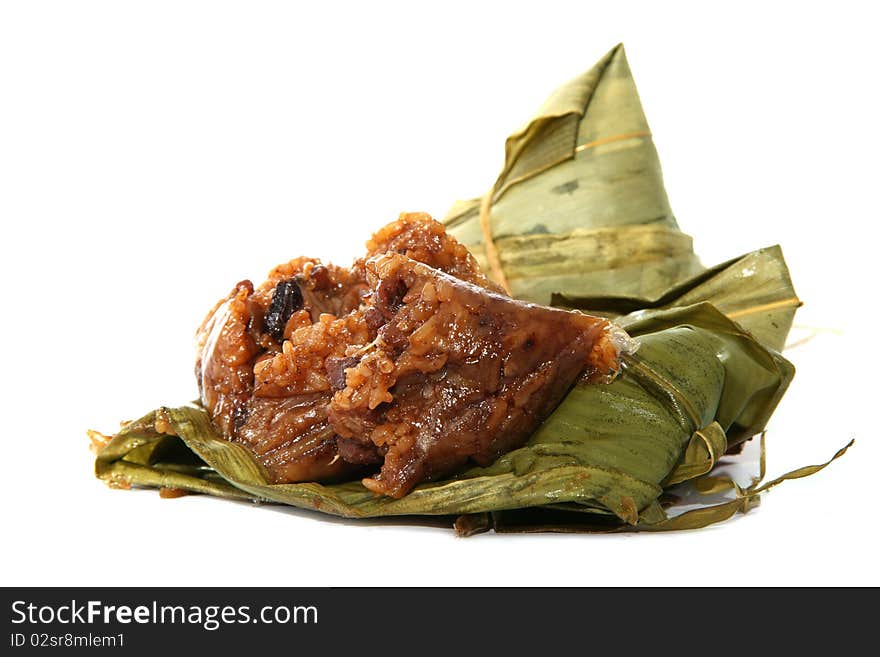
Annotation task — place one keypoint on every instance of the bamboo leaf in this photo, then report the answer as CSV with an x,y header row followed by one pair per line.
x,y
755,290
805,471
704,449
710,485
141,456
579,216
745,500
580,207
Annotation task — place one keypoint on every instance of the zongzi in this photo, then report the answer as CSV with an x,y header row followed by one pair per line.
x,y
413,375
410,360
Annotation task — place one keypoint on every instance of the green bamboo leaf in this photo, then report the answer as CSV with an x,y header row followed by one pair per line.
x,y
745,500
799,473
713,485
755,290
580,215
653,519
704,449
141,456
755,377
580,207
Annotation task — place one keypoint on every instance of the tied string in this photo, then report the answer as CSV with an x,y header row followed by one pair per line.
x,y
792,302
492,253
492,250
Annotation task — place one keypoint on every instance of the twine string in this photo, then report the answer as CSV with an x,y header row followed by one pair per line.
x,y
491,250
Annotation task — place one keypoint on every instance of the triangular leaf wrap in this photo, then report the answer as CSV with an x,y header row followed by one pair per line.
x,y
580,207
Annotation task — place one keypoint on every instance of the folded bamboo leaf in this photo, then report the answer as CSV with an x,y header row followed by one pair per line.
x,y
704,449
580,207
713,485
755,290
745,500
140,455
544,519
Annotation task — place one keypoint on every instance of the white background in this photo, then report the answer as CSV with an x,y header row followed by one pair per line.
x,y
152,154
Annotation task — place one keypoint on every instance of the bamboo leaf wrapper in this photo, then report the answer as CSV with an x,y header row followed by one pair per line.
x,y
577,218
580,207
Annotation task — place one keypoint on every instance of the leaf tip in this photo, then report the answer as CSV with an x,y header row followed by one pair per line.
x,y
97,440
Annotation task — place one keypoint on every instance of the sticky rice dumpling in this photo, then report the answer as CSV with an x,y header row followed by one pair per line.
x,y
404,367
412,366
